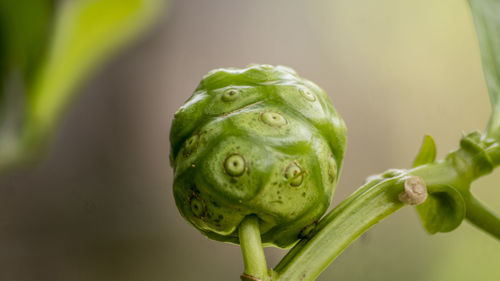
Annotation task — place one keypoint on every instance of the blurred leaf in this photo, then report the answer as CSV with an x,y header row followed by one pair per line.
x,y
24,26
427,153
487,21
24,33
85,34
443,211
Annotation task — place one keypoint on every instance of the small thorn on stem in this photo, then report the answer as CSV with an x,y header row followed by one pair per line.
x,y
415,191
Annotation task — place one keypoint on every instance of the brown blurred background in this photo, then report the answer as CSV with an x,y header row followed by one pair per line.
x,y
99,206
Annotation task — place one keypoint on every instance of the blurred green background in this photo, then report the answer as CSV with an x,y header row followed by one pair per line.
x,y
99,204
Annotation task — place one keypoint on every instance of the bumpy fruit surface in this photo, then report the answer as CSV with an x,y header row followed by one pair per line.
x,y
257,140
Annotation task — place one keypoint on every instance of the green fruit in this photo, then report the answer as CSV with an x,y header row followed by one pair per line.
x,y
257,140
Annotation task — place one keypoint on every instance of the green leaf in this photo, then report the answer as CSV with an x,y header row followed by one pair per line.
x,y
24,33
487,21
24,27
85,34
443,211
427,153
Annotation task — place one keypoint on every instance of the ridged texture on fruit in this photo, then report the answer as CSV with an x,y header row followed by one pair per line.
x,y
256,140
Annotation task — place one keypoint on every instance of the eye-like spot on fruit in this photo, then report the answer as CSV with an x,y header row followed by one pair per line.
x,y
230,95
273,119
197,205
235,165
332,168
294,174
191,144
308,230
307,94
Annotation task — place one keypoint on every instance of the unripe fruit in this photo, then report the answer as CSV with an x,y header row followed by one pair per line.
x,y
258,140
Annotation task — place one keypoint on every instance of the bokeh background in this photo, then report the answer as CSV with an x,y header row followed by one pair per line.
x,y
99,204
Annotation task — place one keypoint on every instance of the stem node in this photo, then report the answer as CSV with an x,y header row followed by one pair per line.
x,y
415,192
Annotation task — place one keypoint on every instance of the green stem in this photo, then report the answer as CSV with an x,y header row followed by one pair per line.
x,y
378,199
340,228
346,202
494,153
251,248
482,217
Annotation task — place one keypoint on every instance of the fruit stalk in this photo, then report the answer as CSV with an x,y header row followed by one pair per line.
x,y
251,248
